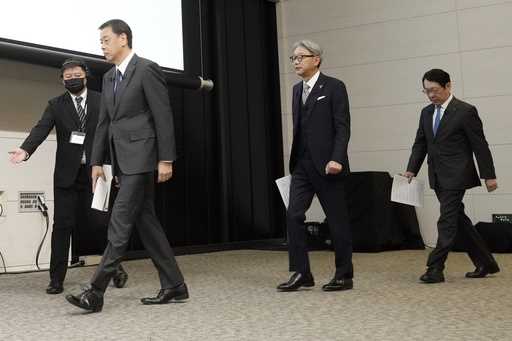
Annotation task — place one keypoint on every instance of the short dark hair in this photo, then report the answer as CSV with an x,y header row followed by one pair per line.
x,y
436,75
74,62
119,27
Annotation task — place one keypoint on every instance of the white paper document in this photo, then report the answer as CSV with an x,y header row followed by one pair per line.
x,y
101,196
407,193
283,184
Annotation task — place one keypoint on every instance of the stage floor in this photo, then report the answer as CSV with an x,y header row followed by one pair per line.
x,y
233,297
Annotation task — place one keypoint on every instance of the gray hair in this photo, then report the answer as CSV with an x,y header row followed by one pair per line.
x,y
311,46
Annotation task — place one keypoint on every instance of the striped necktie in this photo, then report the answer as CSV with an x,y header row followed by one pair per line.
x,y
82,115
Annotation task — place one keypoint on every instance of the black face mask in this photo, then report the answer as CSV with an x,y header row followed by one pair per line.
x,y
74,85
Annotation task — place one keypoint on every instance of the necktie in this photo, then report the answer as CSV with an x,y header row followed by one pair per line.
x,y
437,119
305,92
117,80
81,112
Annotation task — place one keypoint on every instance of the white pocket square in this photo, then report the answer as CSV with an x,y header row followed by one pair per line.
x,y
321,97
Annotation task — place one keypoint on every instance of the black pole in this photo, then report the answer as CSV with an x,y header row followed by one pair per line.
x,y
34,54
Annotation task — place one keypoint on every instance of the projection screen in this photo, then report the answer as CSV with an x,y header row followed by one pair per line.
x,y
73,26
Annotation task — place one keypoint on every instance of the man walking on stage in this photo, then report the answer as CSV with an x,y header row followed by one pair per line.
x,y
318,164
136,123
450,132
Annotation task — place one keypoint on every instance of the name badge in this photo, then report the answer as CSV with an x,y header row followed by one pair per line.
x,y
77,137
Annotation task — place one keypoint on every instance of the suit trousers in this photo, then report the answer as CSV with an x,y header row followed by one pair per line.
x,y
71,205
453,220
134,208
306,181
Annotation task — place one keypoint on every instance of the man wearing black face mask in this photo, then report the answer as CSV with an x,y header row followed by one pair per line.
x,y
74,115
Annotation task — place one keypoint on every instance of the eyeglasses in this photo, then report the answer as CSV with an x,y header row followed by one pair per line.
x,y
300,57
432,90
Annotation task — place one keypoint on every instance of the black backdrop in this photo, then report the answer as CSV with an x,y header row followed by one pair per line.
x,y
229,140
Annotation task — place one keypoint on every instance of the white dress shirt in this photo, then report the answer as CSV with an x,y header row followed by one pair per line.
x,y
84,100
312,81
124,64
443,108
84,105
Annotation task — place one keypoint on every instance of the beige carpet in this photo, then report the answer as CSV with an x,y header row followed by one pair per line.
x,y
233,297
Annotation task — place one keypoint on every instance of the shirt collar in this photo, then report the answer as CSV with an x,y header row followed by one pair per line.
x,y
124,64
312,81
445,104
83,95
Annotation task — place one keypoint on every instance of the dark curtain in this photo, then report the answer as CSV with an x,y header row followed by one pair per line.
x,y
229,140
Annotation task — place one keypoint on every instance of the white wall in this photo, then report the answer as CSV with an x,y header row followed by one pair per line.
x,y
380,49
24,93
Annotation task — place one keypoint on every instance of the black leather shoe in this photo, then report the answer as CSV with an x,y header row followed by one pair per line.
x,y
296,281
482,271
88,300
120,278
176,294
54,289
339,284
432,276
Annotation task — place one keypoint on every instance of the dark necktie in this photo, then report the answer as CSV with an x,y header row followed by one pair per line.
x,y
117,80
82,115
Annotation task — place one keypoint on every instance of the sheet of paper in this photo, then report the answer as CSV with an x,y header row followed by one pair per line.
x,y
101,196
407,193
283,184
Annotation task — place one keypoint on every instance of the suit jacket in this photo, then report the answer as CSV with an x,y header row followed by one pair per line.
x,y
328,121
450,153
138,124
61,114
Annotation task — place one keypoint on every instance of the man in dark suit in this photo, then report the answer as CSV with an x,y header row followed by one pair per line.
x,y
136,123
318,164
450,132
74,114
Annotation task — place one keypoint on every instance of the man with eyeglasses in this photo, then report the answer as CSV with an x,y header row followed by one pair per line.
x,y
450,132
318,165
136,128
74,114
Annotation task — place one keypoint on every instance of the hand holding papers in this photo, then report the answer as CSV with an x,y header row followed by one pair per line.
x,y
407,193
101,196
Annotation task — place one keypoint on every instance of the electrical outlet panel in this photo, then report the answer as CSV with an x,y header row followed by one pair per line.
x,y
28,201
502,218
